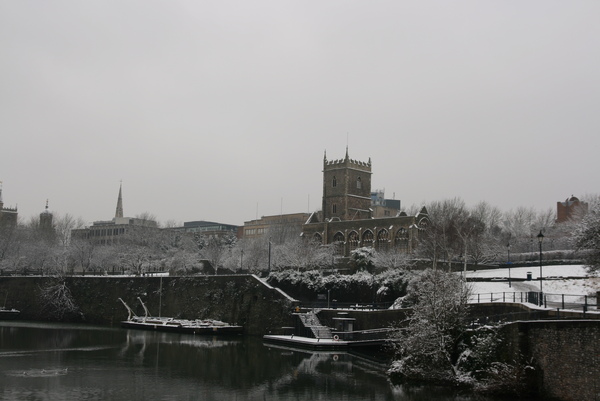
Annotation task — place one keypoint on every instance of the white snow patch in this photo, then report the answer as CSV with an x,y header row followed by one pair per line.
x,y
554,280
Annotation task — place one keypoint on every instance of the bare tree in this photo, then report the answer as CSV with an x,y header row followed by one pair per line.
x,y
441,239
392,258
63,226
302,254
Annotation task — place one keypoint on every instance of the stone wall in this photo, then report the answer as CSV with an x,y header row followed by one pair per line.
x,y
565,354
241,299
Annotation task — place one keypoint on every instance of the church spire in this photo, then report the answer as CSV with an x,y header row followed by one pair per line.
x,y
119,212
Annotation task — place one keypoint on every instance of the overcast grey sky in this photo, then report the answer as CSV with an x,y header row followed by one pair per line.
x,y
221,110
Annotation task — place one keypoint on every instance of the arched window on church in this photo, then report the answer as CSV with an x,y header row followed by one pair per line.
x,y
401,240
353,241
334,208
338,243
317,238
383,240
334,182
367,238
358,183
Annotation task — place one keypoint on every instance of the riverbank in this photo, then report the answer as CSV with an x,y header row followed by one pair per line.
x,y
241,299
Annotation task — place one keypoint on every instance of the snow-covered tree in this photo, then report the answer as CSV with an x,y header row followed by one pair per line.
x,y
587,236
427,347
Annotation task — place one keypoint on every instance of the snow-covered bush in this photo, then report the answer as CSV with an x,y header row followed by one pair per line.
x,y
361,286
363,258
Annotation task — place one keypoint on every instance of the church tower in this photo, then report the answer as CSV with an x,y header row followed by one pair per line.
x,y
8,215
119,211
46,220
346,189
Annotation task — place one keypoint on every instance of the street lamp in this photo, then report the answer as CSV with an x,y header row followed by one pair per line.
x,y
508,262
269,265
540,238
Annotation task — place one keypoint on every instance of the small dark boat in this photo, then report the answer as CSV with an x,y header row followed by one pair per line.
x,y
169,324
8,314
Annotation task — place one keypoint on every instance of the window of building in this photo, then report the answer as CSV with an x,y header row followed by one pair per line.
x,y
383,239
338,241
334,182
367,238
353,241
401,240
334,208
358,183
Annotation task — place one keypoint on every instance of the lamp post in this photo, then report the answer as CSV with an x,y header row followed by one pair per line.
x,y
269,265
540,238
508,263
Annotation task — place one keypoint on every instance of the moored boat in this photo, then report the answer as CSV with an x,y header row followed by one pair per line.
x,y
169,324
8,314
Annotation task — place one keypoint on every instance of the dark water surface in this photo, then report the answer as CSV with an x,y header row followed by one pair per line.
x,y
41,361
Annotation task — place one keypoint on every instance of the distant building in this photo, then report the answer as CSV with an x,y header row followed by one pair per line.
x,y
47,224
384,207
108,232
8,215
208,228
279,225
348,219
571,208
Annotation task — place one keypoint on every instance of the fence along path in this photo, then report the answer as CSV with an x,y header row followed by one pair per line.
x,y
583,303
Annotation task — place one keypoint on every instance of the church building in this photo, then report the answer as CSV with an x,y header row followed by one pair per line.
x,y
347,220
110,232
8,215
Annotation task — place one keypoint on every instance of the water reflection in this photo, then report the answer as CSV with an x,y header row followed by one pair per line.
x,y
51,361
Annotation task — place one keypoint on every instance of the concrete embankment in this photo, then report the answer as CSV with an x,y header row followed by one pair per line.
x,y
565,354
240,299
562,346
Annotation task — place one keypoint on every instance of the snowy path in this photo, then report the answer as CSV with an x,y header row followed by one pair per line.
x,y
555,280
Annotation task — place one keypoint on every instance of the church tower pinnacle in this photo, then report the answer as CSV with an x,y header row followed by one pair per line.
x,y
119,211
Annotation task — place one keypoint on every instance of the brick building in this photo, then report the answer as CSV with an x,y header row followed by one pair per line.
x,y
571,208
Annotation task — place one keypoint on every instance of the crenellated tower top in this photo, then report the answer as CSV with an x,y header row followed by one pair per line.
x,y
346,188
346,162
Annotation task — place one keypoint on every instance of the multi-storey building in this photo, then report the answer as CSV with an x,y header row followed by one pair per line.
x,y
208,228
278,226
383,207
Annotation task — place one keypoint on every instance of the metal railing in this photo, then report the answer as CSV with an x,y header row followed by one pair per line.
x,y
364,335
555,301
346,305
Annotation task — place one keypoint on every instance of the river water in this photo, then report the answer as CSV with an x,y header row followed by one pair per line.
x,y
41,361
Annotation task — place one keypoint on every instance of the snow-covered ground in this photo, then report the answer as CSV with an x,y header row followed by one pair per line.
x,y
555,281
